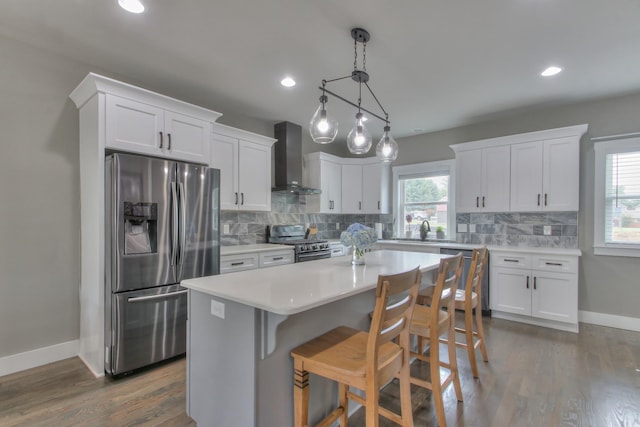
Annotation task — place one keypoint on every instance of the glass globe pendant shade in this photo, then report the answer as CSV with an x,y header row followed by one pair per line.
x,y
359,139
387,148
322,128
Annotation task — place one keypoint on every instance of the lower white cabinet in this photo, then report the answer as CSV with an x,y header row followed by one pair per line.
x,y
242,259
535,288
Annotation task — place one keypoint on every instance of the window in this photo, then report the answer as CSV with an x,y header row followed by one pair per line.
x,y
617,198
424,192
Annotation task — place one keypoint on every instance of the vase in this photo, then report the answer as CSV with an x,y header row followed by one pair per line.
x,y
357,258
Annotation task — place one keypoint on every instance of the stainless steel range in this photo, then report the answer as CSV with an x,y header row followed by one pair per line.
x,y
307,247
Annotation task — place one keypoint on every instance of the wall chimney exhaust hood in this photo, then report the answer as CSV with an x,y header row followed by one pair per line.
x,y
288,159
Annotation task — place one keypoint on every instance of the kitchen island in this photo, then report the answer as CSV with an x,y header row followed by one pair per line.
x,y
242,326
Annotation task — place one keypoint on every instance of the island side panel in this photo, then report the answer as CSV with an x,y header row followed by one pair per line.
x,y
275,372
221,359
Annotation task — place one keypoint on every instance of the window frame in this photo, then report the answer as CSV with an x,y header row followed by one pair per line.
x,y
427,168
602,149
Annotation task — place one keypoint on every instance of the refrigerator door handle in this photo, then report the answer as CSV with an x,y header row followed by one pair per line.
x,y
183,223
174,224
159,296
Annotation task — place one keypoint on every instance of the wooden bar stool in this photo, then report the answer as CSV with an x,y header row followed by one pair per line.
x,y
431,322
366,361
468,299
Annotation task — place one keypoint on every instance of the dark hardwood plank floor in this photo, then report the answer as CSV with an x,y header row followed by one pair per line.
x,y
535,377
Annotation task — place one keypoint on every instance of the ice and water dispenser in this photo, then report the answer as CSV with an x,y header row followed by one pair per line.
x,y
140,228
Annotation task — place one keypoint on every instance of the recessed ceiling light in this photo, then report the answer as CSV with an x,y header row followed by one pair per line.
x,y
551,71
133,6
288,82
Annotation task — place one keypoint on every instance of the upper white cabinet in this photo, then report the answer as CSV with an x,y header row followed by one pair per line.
x,y
520,173
544,175
348,185
324,171
244,160
141,128
483,179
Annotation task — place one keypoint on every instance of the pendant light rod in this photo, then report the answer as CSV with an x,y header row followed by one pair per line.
x,y
355,105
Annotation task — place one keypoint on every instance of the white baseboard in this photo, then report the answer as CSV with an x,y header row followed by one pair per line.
x,y
38,357
610,320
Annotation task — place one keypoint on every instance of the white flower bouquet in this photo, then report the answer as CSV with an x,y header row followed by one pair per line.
x,y
360,237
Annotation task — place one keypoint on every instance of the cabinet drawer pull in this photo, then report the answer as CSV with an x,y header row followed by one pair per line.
x,y
545,199
378,204
242,198
535,279
483,201
161,140
511,260
169,143
527,282
477,202
236,198
278,258
538,199
235,264
359,206
557,264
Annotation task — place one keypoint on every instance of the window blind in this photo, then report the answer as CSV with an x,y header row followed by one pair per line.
x,y
622,198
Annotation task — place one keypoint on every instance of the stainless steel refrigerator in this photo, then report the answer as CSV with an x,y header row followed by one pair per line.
x,y
162,226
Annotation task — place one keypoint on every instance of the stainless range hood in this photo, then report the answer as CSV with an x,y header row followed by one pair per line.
x,y
288,160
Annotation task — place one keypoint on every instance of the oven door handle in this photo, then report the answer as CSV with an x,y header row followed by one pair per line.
x,y
158,296
314,255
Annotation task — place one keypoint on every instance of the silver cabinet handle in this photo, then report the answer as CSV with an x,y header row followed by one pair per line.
x,y
169,145
158,296
161,139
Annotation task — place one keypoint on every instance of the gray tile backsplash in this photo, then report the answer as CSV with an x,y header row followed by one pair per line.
x,y
251,227
523,229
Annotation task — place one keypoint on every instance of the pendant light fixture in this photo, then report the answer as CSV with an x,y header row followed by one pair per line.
x,y
323,129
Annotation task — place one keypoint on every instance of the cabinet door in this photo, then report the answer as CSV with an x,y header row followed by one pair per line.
x,y
526,177
468,180
254,176
510,290
496,173
555,296
351,189
371,188
331,186
224,156
561,164
134,127
188,138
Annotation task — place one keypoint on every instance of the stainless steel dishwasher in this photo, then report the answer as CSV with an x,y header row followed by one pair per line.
x,y
467,253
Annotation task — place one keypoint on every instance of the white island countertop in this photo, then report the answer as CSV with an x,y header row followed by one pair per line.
x,y
294,288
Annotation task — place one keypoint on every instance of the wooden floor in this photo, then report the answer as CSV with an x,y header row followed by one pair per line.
x,y
535,377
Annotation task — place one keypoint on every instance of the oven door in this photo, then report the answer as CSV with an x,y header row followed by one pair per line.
x,y
148,326
312,256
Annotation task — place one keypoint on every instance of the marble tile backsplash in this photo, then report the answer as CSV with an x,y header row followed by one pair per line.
x,y
520,229
247,228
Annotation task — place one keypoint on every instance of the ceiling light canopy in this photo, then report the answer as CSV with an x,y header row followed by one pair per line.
x,y
323,128
133,6
551,71
288,82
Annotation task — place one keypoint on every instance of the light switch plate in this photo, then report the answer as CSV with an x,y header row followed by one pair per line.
x,y
225,229
462,228
337,226
547,230
217,309
472,228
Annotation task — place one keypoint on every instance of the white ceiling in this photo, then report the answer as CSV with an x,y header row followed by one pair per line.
x,y
434,64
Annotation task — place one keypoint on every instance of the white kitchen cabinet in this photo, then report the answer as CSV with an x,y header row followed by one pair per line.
x,y
244,160
352,188
535,288
250,257
482,179
142,128
372,188
545,175
324,171
241,262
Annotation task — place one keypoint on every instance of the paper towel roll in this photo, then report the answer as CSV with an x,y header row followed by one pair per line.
x,y
379,230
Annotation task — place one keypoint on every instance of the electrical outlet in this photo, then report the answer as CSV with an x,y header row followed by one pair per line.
x,y
217,309
472,228
547,230
337,226
225,229
462,228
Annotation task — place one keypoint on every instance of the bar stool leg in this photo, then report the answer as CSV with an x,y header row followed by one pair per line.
x,y
468,332
300,396
344,403
453,359
483,348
